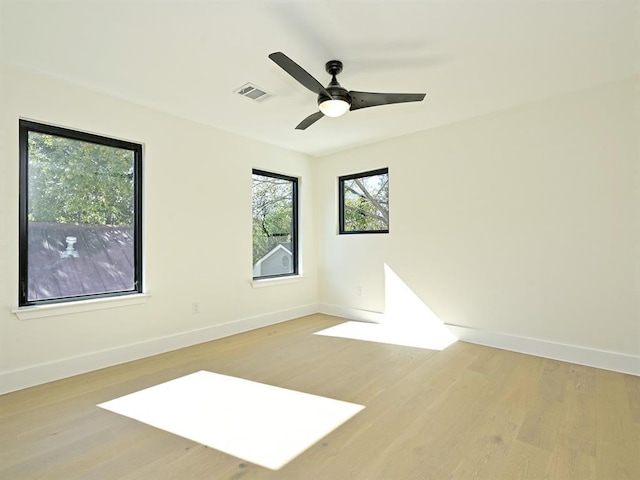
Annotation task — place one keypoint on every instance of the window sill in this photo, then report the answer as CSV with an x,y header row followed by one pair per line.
x,y
272,282
57,309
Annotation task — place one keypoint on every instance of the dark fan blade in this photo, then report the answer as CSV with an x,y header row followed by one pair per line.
x,y
367,99
299,73
310,120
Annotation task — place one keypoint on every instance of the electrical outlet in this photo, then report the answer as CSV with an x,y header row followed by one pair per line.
x,y
195,307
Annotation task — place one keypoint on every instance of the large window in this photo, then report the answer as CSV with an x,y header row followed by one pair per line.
x,y
80,215
275,225
364,202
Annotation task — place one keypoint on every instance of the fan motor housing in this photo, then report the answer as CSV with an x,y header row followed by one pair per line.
x,y
337,93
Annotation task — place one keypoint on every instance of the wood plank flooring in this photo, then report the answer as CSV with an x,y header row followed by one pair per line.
x,y
468,412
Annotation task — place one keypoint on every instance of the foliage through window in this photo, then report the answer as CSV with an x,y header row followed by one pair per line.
x,y
80,215
364,202
275,225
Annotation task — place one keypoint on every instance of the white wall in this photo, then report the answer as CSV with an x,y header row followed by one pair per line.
x,y
197,235
523,222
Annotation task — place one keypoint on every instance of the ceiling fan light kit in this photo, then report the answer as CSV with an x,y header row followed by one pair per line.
x,y
334,108
335,100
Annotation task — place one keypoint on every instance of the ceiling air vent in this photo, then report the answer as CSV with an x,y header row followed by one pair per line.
x,y
253,92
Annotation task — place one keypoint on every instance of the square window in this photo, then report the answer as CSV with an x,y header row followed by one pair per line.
x,y
80,215
275,225
364,202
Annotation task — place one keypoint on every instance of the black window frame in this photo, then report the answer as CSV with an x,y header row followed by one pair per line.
x,y
294,234
26,126
341,215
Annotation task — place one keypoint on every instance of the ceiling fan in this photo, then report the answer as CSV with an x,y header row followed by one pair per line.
x,y
335,100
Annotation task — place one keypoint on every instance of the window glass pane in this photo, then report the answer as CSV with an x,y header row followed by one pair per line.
x,y
80,219
274,225
365,202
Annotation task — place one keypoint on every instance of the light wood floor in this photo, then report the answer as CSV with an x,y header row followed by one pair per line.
x,y
468,412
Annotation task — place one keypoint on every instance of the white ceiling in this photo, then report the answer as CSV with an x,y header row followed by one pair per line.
x,y
471,57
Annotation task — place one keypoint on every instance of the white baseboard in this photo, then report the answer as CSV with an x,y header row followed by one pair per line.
x,y
591,357
46,372
351,313
37,374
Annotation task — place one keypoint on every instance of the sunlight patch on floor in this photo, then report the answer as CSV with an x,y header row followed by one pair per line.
x,y
407,321
259,423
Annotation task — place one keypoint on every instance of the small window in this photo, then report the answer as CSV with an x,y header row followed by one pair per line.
x,y
275,225
80,215
364,202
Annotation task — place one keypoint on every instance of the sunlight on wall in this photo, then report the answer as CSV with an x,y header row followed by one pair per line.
x,y
407,321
